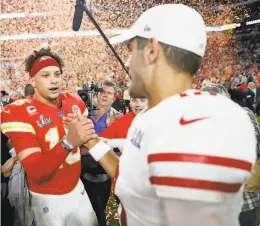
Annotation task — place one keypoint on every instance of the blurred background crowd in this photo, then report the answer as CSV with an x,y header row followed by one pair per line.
x,y
27,25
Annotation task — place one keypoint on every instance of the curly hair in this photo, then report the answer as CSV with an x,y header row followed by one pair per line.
x,y
42,52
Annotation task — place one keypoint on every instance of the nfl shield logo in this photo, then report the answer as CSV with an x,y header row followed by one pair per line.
x,y
45,209
76,110
137,138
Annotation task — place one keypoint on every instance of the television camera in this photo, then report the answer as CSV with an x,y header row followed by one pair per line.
x,y
87,95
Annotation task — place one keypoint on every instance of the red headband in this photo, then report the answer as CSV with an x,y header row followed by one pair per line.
x,y
42,62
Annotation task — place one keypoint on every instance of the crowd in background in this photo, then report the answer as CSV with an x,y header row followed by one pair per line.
x,y
229,59
89,58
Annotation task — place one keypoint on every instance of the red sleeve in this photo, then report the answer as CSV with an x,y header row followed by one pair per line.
x,y
38,166
15,125
81,103
74,99
111,131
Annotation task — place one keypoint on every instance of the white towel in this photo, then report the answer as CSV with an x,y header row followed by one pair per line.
x,y
18,195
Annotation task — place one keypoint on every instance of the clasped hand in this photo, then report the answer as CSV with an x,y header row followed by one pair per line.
x,y
80,131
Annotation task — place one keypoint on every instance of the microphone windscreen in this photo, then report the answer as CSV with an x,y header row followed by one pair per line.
x,y
78,15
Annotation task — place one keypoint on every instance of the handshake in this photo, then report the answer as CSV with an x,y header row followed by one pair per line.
x,y
81,131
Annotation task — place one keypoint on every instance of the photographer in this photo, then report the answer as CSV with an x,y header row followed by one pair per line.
x,y
97,183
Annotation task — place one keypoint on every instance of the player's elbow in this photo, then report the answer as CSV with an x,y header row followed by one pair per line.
x,y
29,154
38,177
35,169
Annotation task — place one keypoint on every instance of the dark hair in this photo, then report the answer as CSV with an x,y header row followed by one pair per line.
x,y
184,60
28,90
4,93
42,52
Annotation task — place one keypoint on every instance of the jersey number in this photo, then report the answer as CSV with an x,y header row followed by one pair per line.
x,y
52,137
21,102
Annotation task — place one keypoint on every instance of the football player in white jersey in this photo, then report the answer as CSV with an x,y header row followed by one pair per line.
x,y
186,158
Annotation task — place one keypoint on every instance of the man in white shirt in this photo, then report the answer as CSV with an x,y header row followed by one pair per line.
x,y
182,163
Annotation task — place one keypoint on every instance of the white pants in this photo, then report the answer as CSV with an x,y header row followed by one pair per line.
x,y
72,209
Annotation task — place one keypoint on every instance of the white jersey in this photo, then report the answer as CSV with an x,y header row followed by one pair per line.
x,y
185,162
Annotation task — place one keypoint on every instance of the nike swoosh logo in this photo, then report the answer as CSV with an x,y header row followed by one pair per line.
x,y
184,122
7,111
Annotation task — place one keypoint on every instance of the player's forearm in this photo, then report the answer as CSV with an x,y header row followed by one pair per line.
x,y
109,162
41,167
101,153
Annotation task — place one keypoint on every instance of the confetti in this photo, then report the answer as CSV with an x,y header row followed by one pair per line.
x,y
88,58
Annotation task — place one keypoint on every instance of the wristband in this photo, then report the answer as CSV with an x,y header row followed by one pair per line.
x,y
99,150
65,144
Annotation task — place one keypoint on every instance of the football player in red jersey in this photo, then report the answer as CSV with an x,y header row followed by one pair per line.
x,y
50,153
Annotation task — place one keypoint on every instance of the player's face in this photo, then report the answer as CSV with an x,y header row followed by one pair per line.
x,y
136,67
48,83
138,104
106,96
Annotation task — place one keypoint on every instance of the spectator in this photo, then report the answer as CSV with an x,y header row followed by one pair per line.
x,y
18,194
236,79
252,87
6,169
105,114
28,90
96,181
7,212
5,99
117,104
238,94
250,98
120,128
251,195
244,79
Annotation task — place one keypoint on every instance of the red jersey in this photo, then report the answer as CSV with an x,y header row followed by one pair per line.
x,y
119,128
33,124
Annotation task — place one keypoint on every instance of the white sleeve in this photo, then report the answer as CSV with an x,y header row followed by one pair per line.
x,y
200,161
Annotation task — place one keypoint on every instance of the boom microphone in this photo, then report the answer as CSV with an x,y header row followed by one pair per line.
x,y
79,9
77,19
